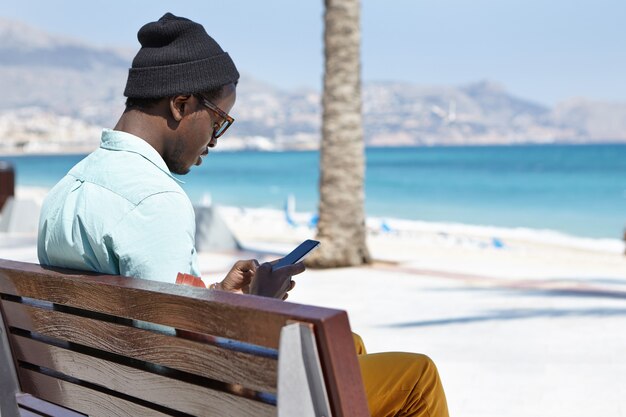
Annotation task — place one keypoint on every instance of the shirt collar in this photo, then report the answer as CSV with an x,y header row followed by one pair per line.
x,y
116,140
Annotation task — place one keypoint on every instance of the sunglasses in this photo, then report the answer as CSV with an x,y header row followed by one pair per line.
x,y
218,129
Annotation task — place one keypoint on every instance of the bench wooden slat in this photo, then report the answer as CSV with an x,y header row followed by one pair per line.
x,y
341,367
27,402
26,413
254,372
178,306
81,399
178,395
9,384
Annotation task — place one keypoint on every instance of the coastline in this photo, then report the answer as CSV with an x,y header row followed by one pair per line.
x,y
446,247
85,149
569,190
261,224
481,236
73,151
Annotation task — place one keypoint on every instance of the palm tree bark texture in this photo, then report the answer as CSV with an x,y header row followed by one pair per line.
x,y
341,225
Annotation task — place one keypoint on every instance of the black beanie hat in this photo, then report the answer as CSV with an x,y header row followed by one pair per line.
x,y
177,56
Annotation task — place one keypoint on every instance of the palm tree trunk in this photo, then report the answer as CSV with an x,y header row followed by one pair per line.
x,y
341,225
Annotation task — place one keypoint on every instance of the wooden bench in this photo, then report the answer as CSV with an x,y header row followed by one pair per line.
x,y
73,343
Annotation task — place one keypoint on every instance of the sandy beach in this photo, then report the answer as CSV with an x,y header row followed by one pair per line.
x,y
519,322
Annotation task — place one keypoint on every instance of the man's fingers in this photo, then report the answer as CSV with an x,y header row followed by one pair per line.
x,y
247,265
293,284
252,265
294,269
266,266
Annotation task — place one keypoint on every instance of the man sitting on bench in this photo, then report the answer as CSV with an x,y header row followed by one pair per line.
x,y
121,211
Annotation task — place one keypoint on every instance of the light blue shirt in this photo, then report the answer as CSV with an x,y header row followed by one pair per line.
x,y
119,211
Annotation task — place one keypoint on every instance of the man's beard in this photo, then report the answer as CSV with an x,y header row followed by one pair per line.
x,y
174,162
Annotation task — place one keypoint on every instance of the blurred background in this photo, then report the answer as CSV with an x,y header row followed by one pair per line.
x,y
495,136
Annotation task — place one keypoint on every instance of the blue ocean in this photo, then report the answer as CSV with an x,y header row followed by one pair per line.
x,y
576,189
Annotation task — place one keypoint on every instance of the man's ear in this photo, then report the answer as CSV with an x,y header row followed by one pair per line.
x,y
178,106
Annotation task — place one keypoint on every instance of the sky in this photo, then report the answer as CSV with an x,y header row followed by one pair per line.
x,y
543,50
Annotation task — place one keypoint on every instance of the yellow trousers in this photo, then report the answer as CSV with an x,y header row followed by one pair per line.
x,y
401,384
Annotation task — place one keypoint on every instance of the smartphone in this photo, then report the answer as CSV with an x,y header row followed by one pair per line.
x,y
297,254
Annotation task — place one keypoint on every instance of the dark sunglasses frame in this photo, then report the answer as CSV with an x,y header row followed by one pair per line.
x,y
228,120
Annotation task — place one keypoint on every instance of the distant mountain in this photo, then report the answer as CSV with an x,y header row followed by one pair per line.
x,y
25,46
58,92
59,75
594,120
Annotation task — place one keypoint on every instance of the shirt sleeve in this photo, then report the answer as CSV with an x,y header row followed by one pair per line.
x,y
156,240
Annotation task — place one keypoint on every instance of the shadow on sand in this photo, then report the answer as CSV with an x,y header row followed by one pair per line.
x,y
517,314
564,288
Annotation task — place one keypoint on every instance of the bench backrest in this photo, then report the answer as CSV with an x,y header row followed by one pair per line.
x,y
115,346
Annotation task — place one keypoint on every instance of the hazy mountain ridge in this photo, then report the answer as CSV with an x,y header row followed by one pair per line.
x,y
59,91
24,46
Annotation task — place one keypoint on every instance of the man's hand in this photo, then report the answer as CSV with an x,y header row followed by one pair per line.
x,y
277,283
248,277
239,277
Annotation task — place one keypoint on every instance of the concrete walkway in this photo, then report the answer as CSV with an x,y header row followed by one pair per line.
x,y
502,350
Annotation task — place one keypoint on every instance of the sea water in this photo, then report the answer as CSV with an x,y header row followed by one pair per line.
x,y
575,189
